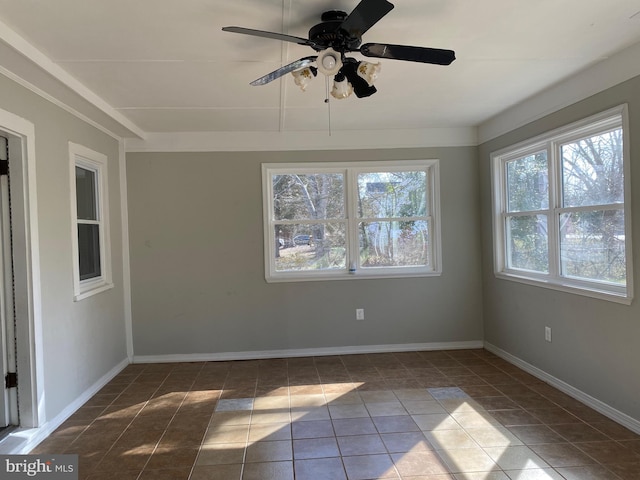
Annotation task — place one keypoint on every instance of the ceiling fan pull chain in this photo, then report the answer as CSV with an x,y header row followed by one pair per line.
x,y
327,101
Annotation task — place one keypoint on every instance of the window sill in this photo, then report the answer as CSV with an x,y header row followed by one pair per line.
x,y
92,290
315,277
563,285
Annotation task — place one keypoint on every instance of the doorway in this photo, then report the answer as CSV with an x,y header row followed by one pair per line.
x,y
21,345
9,412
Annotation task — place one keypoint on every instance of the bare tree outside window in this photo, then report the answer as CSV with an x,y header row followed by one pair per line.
x,y
393,223
309,214
592,229
528,192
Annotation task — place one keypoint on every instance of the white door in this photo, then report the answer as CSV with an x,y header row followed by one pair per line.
x,y
8,395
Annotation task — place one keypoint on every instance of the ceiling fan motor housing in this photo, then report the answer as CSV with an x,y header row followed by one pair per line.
x,y
328,33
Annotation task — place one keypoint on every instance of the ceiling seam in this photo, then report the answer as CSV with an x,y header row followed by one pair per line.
x,y
284,55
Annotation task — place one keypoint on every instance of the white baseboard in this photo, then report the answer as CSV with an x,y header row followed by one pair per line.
x,y
23,440
598,405
307,352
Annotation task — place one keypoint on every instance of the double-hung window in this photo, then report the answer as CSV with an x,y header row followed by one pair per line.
x,y
90,235
351,220
561,217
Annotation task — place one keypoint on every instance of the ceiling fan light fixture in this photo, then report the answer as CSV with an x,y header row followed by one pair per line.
x,y
369,71
303,77
341,87
329,62
361,86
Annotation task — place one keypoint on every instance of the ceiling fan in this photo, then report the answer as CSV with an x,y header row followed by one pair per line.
x,y
337,35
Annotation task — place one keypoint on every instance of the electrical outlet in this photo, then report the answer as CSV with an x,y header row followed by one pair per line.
x,y
547,334
359,313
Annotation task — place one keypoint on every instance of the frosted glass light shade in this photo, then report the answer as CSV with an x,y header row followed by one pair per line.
x,y
303,77
341,89
369,71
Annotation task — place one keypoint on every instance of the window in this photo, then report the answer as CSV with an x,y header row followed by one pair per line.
x,y
559,209
90,236
338,220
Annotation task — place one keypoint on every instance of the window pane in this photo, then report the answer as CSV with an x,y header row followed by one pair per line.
x,y
305,197
394,244
592,170
592,245
86,194
528,183
528,246
89,250
392,194
310,247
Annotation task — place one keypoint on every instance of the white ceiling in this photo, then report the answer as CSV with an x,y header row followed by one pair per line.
x,y
166,66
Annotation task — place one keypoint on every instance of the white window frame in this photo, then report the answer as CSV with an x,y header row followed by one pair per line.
x,y
551,142
83,157
350,171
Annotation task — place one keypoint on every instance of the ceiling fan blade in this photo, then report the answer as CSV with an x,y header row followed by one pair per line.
x,y
270,77
408,53
272,35
366,14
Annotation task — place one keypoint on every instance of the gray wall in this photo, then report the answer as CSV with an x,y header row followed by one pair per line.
x,y
595,342
82,340
197,267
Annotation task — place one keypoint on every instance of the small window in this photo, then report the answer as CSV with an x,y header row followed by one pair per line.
x,y
560,216
88,224
92,272
337,220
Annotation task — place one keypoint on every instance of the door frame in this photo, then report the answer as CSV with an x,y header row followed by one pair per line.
x,y
8,395
26,257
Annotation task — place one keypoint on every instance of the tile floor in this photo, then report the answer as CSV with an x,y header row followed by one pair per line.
x,y
447,415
